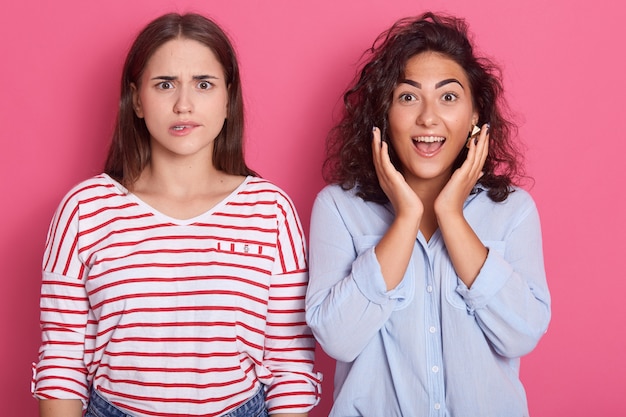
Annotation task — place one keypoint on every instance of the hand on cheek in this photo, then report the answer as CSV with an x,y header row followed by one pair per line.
x,y
463,180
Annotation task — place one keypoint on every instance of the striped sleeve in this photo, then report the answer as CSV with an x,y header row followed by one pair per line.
x,y
61,372
289,343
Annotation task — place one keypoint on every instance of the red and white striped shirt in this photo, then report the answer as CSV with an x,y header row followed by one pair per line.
x,y
172,317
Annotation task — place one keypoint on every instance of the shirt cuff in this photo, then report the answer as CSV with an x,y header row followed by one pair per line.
x,y
491,278
369,280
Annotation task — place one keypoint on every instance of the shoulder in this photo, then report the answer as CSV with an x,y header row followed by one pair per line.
x,y
99,184
262,187
256,190
520,199
519,205
84,197
95,187
334,192
347,204
336,195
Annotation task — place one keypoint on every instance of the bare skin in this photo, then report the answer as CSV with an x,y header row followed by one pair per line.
x,y
431,113
427,208
60,408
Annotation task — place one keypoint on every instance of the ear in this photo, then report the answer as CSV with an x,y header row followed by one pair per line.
x,y
474,118
136,101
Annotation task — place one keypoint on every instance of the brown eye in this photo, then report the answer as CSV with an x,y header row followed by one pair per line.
x,y
204,85
165,85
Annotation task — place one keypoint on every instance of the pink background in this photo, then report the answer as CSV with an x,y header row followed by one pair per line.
x,y
564,72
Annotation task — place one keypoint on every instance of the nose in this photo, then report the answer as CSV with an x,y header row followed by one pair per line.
x,y
427,114
183,102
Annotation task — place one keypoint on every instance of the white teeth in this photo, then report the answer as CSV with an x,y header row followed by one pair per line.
x,y
429,139
179,127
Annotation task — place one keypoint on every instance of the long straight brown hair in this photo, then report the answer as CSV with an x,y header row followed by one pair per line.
x,y
130,151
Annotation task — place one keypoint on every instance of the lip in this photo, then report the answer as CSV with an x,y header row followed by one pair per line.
x,y
434,139
182,127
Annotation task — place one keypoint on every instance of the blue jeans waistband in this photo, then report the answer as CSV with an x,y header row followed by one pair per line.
x,y
254,407
99,407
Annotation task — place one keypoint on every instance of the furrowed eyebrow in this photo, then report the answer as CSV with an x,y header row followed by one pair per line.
x,y
165,78
195,77
204,77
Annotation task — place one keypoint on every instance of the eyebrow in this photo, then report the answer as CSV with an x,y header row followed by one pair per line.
x,y
438,85
174,78
448,81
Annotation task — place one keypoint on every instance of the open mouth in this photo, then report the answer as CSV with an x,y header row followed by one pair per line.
x,y
428,144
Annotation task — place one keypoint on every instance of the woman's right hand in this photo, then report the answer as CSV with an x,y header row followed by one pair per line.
x,y
402,197
394,250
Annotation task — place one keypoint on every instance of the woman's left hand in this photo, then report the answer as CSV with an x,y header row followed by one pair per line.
x,y
463,180
465,249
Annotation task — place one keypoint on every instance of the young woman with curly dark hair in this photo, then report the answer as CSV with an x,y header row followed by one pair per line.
x,y
427,281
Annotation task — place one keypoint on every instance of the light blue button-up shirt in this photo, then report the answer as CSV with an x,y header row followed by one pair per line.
x,y
430,346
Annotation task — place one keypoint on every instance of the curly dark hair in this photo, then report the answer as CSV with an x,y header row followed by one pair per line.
x,y
366,104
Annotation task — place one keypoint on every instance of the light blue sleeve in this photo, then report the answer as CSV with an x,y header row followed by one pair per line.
x,y
510,297
347,302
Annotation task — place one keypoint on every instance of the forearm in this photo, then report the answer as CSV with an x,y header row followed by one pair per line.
x,y
345,317
60,408
347,298
510,301
467,253
514,330
394,250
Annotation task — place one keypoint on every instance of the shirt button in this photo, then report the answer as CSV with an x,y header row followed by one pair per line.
x,y
437,406
429,288
435,369
432,329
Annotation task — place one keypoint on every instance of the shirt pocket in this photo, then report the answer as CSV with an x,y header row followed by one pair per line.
x,y
450,280
257,260
365,242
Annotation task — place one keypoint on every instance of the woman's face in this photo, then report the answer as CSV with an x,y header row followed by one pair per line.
x,y
430,116
183,97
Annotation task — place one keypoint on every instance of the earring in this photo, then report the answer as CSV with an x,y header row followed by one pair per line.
x,y
475,130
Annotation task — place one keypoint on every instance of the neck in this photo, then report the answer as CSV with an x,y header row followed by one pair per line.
x,y
184,191
428,191
177,175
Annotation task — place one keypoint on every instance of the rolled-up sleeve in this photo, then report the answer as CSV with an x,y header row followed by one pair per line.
x,y
289,354
60,372
347,300
510,297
